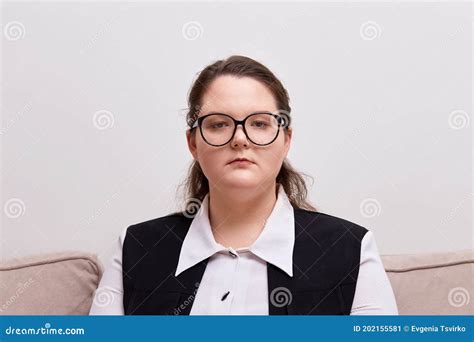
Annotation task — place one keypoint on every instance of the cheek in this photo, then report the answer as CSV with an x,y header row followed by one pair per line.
x,y
203,150
209,158
277,150
272,158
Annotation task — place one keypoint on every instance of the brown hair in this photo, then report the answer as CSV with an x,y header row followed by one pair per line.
x,y
196,185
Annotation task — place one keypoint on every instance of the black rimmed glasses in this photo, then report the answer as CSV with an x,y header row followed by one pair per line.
x,y
261,128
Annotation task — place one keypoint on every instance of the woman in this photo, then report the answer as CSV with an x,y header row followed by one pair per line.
x,y
248,242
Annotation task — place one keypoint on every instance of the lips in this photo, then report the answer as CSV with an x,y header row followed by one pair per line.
x,y
240,159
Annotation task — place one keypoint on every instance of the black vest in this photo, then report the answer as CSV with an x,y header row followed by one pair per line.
x,y
326,259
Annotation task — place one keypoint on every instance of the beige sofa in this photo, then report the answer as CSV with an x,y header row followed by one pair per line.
x,y
64,283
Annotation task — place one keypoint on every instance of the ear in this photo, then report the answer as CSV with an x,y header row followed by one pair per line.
x,y
191,139
288,136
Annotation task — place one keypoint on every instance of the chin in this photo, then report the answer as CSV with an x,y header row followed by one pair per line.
x,y
239,182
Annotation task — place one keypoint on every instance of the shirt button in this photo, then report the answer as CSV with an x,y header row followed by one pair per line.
x,y
225,295
233,254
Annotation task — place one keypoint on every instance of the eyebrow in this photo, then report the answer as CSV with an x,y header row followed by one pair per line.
x,y
248,113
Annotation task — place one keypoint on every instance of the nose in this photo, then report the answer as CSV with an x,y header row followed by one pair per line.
x,y
239,139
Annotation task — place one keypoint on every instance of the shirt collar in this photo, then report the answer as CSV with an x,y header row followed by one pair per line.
x,y
274,244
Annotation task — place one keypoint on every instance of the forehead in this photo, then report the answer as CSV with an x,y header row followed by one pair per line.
x,y
237,96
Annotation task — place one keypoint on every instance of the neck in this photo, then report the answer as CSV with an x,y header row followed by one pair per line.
x,y
238,216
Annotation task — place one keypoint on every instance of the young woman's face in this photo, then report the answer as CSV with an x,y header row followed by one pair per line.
x,y
239,97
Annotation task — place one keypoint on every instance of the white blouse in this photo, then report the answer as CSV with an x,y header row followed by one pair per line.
x,y
240,276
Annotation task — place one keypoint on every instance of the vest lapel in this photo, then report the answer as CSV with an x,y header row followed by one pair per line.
x,y
279,285
189,280
279,291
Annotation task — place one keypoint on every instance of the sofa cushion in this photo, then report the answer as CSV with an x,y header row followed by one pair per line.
x,y
49,284
432,283
64,283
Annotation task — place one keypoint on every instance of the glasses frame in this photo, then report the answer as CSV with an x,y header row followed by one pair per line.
x,y
280,119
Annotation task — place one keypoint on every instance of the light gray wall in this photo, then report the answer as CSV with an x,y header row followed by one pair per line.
x,y
381,96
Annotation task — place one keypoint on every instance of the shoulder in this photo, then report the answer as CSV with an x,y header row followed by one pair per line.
x,y
325,226
177,223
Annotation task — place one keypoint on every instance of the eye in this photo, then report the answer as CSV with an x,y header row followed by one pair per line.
x,y
259,124
218,125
